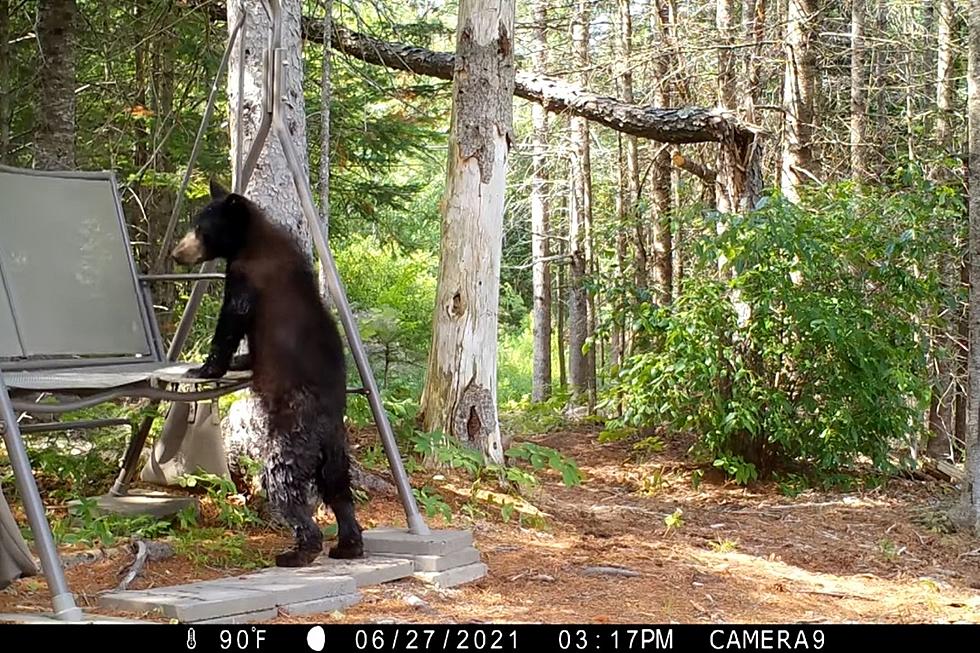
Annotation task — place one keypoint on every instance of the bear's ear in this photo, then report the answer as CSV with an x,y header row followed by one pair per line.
x,y
217,191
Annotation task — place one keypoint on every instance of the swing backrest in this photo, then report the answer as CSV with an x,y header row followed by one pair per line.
x,y
69,291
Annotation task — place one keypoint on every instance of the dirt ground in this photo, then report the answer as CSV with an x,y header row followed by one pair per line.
x,y
743,555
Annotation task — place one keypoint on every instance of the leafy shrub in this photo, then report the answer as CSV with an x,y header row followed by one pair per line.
x,y
808,350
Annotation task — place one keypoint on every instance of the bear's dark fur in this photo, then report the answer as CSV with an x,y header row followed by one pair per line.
x,y
297,361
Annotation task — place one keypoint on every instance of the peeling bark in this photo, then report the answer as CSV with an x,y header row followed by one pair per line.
x,y
459,398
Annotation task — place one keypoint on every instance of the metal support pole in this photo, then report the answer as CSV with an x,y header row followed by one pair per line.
x,y
61,598
334,284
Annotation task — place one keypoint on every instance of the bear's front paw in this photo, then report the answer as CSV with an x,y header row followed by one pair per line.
x,y
205,372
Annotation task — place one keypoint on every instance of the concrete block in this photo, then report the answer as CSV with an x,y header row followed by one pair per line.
x,y
193,602
286,589
453,577
401,541
244,618
48,619
371,570
460,558
142,502
362,571
329,604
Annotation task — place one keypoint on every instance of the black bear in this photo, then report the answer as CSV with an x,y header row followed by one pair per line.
x,y
297,361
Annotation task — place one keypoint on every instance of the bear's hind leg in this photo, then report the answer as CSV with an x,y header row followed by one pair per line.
x,y
288,477
333,481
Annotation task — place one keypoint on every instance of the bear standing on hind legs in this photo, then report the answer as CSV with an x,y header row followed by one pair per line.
x,y
297,361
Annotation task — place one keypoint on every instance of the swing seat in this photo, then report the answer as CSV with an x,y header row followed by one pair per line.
x,y
77,323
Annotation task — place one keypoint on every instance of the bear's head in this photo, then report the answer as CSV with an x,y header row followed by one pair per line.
x,y
219,230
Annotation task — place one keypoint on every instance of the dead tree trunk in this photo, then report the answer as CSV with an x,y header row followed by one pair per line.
x,y
540,248
54,133
460,395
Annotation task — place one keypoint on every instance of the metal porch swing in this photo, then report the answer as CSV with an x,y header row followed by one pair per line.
x,y
82,324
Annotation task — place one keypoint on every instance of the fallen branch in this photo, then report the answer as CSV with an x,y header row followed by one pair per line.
x,y
673,125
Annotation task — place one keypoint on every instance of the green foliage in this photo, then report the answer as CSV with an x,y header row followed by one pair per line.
x,y
432,503
674,520
809,350
218,548
547,458
85,524
220,491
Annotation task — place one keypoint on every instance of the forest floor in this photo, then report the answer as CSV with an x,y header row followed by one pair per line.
x,y
737,554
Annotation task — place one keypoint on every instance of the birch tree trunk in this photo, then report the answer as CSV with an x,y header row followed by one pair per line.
x,y
54,133
271,184
460,395
579,222
859,94
968,511
540,249
798,88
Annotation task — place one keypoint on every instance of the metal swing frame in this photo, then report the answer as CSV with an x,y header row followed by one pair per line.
x,y
272,120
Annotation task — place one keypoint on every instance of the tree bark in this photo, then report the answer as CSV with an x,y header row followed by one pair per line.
x,y
754,27
942,407
54,132
859,94
326,97
540,248
944,75
271,184
6,81
661,171
798,88
725,24
967,514
631,220
579,224
460,395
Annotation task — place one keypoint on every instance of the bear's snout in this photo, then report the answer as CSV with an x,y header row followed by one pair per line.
x,y
189,250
